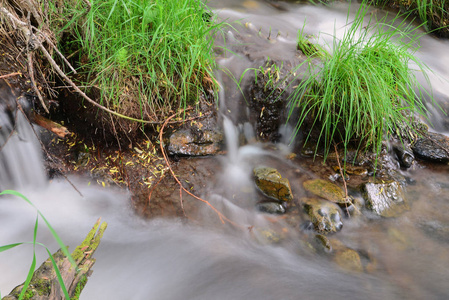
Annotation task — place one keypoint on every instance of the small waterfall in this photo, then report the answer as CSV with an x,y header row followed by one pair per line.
x,y
20,157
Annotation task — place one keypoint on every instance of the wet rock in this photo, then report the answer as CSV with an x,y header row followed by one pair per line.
x,y
349,260
267,235
323,242
385,198
271,207
193,142
325,215
432,147
354,208
265,102
325,189
271,183
404,154
353,170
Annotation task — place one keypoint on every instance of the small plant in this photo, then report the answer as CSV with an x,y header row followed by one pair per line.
x,y
270,74
361,91
24,292
308,48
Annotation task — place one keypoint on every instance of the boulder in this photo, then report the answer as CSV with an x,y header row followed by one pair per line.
x,y
271,183
385,198
432,147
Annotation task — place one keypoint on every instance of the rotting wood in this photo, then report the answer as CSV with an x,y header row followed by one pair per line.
x,y
44,284
54,127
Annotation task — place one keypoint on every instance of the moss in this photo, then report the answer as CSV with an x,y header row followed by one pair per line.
x,y
91,241
42,286
29,294
79,288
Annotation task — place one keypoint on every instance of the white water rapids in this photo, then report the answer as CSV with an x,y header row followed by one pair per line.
x,y
170,260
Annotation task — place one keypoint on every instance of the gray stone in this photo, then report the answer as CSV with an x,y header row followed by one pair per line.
x,y
271,207
432,147
194,142
385,198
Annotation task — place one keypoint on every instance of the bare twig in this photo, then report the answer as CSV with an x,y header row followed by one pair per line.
x,y
222,217
10,75
31,68
347,198
33,82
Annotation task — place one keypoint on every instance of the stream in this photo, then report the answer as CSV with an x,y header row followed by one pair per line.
x,y
404,257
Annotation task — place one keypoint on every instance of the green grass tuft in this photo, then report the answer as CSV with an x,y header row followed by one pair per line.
x,y
148,57
363,87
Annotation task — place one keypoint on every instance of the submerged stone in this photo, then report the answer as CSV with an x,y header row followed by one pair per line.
x,y
271,207
432,147
193,142
325,215
271,183
385,198
267,235
325,189
349,260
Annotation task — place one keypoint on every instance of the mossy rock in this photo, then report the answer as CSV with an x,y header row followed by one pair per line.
x,y
325,215
325,189
271,183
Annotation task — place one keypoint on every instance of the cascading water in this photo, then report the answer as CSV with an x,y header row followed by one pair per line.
x,y
20,158
167,259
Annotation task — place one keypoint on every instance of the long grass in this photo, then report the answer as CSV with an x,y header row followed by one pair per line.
x,y
434,14
147,57
35,243
364,87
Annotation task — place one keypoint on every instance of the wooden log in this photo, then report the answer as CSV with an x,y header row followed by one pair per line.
x,y
54,127
45,285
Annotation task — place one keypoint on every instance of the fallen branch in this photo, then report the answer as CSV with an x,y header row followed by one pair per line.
x,y
56,128
10,75
44,284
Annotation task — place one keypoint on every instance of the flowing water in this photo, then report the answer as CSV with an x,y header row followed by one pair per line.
x,y
406,257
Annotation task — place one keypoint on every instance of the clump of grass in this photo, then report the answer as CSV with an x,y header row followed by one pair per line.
x,y
148,57
433,13
363,88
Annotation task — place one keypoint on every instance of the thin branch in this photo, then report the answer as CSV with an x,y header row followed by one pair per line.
x,y
10,75
347,198
33,82
222,217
